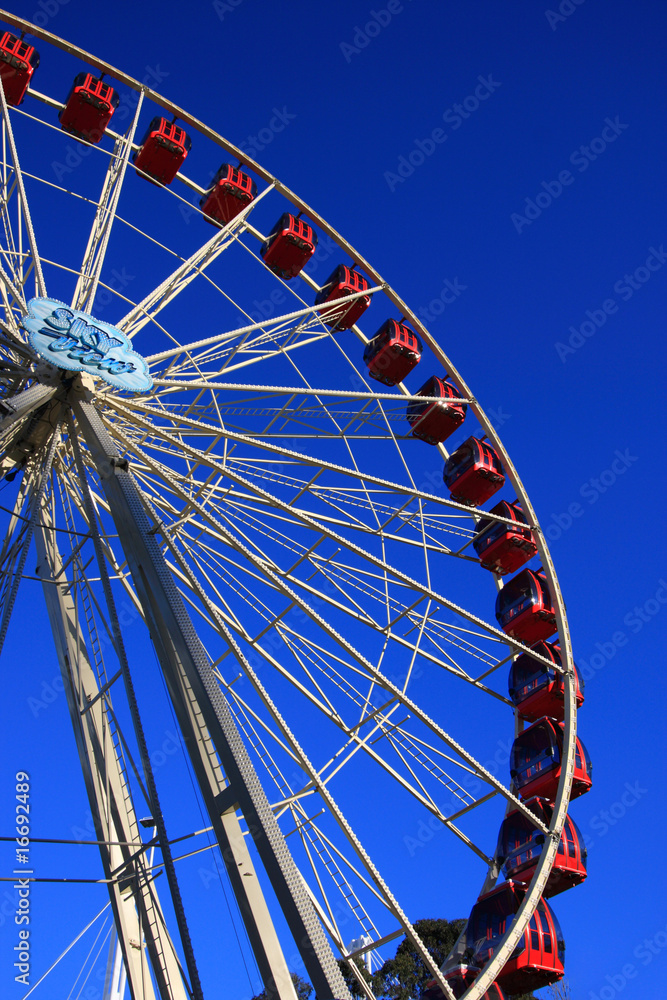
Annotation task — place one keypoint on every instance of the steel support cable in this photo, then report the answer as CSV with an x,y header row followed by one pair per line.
x,y
570,720
67,949
306,520
126,408
287,591
452,667
310,770
119,646
180,649
92,965
91,269
39,277
38,497
314,776
307,827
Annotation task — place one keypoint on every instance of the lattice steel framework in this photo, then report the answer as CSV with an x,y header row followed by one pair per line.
x,y
251,527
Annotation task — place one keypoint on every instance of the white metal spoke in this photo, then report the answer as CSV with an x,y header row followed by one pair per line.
x,y
268,515
356,655
36,501
98,240
190,269
40,287
126,406
312,523
309,311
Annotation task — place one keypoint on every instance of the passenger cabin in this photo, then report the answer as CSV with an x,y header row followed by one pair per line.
x,y
473,473
524,608
504,548
88,108
535,762
520,845
537,960
231,190
289,246
460,979
343,281
434,421
392,353
18,62
163,151
538,689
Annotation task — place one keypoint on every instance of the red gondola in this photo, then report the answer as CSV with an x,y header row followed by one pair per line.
x,y
231,190
537,689
433,422
289,246
537,960
473,473
535,762
524,608
520,845
460,978
392,353
18,62
504,548
88,108
163,151
343,281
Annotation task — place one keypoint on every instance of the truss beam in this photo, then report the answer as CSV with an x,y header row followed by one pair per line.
x,y
211,736
136,909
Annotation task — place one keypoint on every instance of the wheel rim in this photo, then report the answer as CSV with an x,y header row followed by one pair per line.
x,y
243,496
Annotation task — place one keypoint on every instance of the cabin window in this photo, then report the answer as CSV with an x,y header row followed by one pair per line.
x,y
534,934
546,932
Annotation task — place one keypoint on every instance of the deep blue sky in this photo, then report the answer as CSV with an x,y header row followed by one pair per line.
x,y
570,131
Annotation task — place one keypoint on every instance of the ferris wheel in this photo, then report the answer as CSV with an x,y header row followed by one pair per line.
x,y
257,454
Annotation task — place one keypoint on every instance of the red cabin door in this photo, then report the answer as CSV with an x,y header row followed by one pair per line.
x,y
543,947
568,847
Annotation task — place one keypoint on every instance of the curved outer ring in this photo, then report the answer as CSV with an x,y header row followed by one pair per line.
x,y
518,926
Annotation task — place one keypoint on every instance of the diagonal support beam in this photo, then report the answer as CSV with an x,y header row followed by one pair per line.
x,y
211,736
156,811
37,496
179,279
98,240
40,286
136,908
13,408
